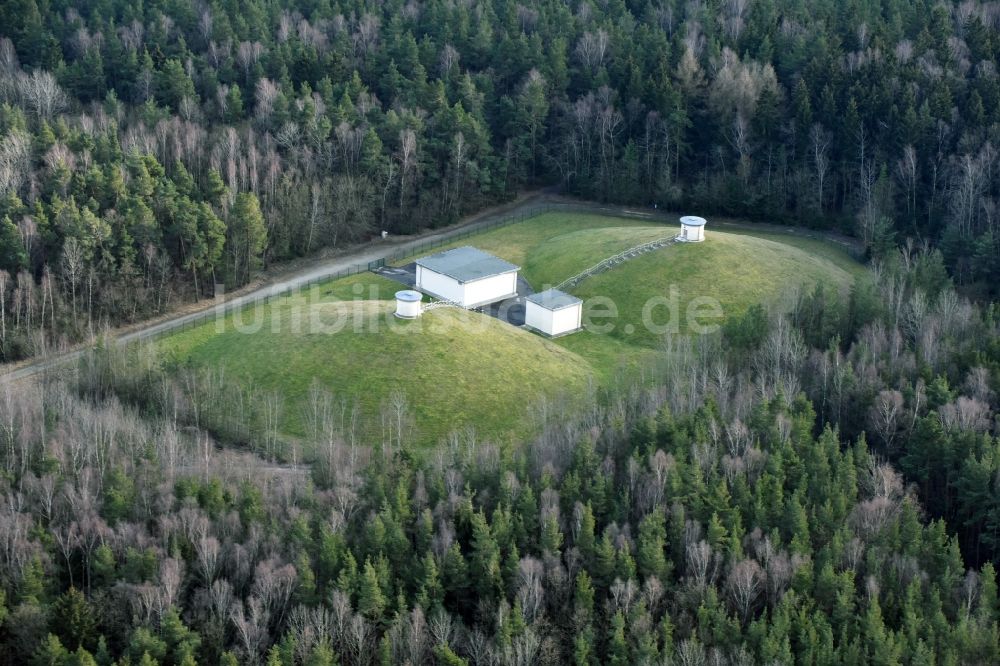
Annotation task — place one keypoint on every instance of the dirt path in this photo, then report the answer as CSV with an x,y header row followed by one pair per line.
x,y
284,279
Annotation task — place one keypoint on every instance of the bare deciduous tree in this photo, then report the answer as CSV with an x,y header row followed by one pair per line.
x,y
744,585
448,61
592,48
15,161
407,161
884,416
819,145
41,94
251,620
73,266
965,415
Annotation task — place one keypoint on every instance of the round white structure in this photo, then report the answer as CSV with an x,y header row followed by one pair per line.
x,y
408,304
692,229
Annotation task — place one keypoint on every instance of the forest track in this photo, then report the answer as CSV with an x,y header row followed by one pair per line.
x,y
278,283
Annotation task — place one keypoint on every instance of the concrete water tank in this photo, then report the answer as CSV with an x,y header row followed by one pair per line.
x,y
692,229
408,304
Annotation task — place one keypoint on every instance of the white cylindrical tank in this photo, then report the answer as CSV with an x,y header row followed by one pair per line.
x,y
692,229
408,304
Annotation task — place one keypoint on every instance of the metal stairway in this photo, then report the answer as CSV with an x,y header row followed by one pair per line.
x,y
444,303
619,258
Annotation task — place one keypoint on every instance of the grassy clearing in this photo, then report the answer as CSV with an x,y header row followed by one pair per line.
x,y
530,243
731,270
822,249
457,368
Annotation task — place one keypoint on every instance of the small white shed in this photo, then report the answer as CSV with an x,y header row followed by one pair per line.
x,y
467,276
692,229
553,312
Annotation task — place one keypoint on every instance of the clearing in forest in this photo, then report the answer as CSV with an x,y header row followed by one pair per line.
x,y
459,369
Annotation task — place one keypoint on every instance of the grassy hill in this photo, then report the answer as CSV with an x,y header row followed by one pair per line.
x,y
454,368
738,267
730,271
457,368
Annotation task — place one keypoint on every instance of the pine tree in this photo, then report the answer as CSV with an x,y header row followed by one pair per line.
x,y
73,619
585,536
618,654
51,653
604,562
430,593
485,561
802,107
247,237
321,655
13,258
371,601
552,536
583,649
651,557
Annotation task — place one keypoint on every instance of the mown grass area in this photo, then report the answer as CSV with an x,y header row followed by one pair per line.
x,y
454,368
687,287
458,369
735,268
554,246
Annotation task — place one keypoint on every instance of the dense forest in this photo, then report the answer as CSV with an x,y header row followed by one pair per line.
x,y
813,486
149,151
818,487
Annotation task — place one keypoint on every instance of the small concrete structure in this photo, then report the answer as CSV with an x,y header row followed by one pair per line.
x,y
692,229
467,276
553,313
408,304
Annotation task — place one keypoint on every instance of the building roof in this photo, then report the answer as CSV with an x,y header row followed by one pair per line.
x,y
553,299
466,264
692,221
409,296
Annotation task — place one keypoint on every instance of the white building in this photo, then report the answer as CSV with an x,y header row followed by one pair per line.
x,y
467,276
553,312
692,229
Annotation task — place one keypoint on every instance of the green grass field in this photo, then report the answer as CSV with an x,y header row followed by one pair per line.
x,y
458,368
455,368
694,282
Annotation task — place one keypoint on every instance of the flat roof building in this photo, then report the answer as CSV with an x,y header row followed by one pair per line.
x,y
553,312
467,276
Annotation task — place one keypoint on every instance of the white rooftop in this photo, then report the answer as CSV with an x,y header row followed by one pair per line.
x,y
553,299
466,264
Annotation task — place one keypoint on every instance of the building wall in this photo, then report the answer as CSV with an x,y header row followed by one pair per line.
x,y
538,317
567,319
553,322
439,285
490,290
408,308
695,234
